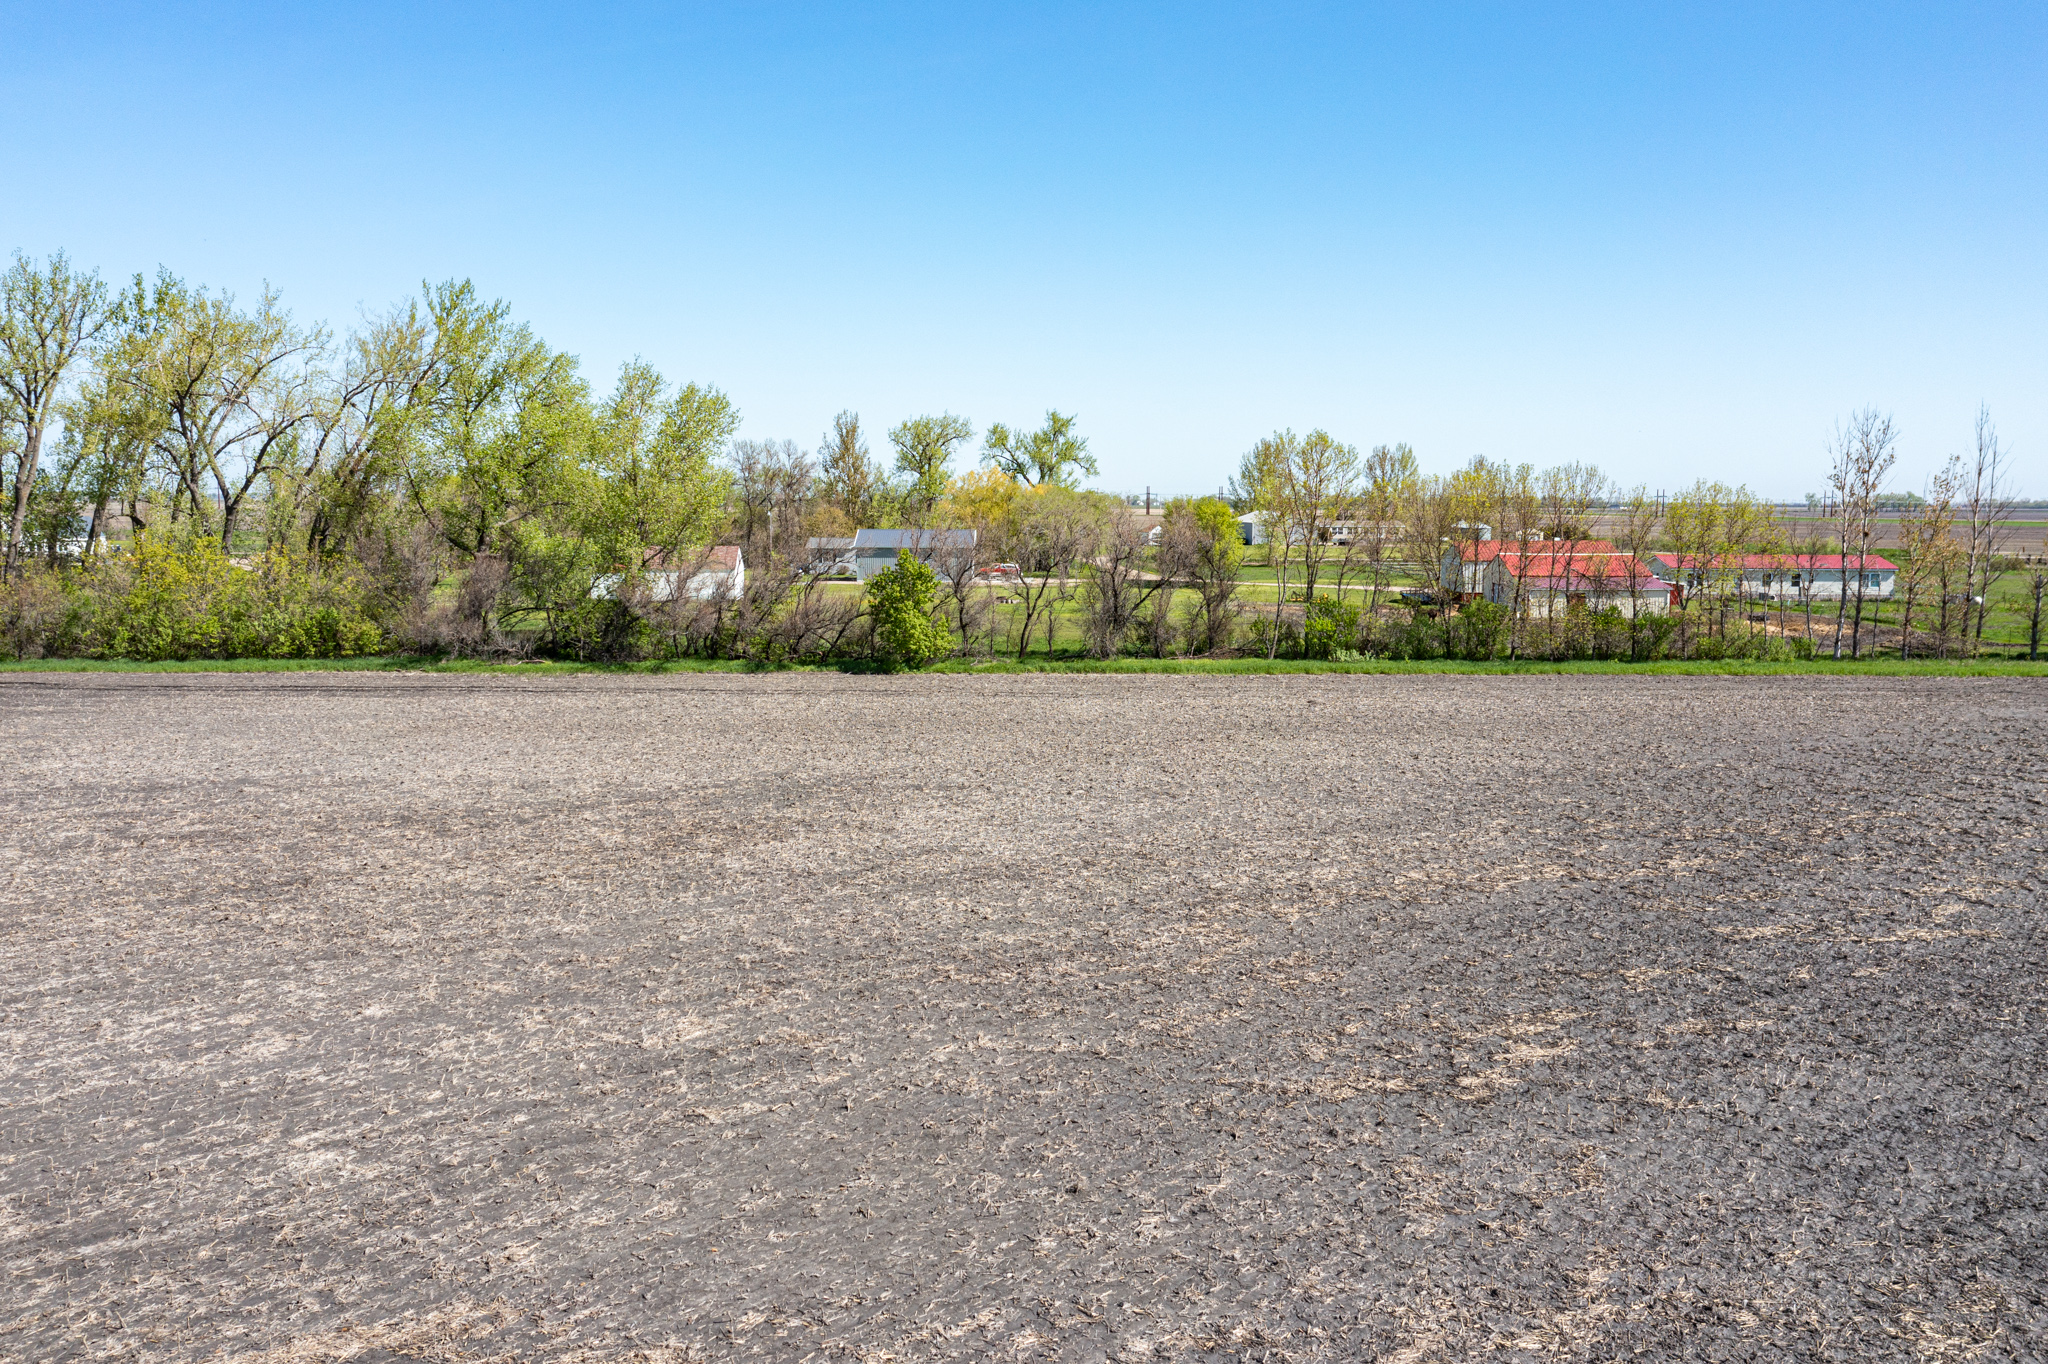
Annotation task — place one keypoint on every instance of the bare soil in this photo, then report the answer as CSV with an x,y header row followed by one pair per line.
x,y
373,1018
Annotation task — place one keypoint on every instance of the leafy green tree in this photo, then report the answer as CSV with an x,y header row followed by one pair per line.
x,y
1051,454
1200,538
223,393
904,600
924,454
499,438
849,478
654,455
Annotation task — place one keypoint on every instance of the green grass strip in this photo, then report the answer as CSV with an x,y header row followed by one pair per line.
x,y
1229,667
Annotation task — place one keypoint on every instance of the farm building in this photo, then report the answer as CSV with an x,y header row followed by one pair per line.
x,y
1554,576
1780,577
720,571
1471,565
829,554
875,550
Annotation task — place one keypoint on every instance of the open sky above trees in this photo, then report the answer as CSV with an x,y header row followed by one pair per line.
x,y
1668,243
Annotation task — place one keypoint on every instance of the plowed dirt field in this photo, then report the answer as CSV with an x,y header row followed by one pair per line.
x,y
373,1018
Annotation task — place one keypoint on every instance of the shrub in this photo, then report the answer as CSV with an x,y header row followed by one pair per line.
x,y
1480,628
902,601
1329,625
1258,637
34,610
171,597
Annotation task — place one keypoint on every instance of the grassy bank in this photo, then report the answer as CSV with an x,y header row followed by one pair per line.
x,y
1043,664
403,663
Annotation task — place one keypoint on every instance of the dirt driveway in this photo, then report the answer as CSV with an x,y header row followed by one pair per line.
x,y
355,1017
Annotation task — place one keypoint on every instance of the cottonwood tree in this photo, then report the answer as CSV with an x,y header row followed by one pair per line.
x,y
1300,485
1430,522
49,316
105,454
1747,530
1504,497
1692,522
497,439
1051,454
1568,495
1269,473
924,455
227,392
848,478
1323,483
363,418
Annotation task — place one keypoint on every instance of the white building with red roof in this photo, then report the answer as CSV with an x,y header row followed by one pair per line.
x,y
1781,577
1554,575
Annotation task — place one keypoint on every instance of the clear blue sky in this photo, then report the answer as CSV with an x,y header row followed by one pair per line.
x,y
1672,239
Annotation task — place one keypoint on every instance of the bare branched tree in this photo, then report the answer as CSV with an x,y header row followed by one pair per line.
x,y
1862,454
1641,515
1118,588
1988,498
1053,530
772,482
1390,475
1926,537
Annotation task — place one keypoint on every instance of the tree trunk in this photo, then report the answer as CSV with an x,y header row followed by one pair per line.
x,y
92,526
1279,601
1842,602
1906,625
1856,630
24,481
2040,585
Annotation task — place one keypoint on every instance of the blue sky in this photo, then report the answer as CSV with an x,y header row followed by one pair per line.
x,y
1673,240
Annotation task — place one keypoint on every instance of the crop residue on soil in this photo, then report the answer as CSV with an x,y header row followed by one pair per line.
x,y
354,1017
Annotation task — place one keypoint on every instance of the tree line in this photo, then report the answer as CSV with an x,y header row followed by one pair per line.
x,y
1332,515
189,474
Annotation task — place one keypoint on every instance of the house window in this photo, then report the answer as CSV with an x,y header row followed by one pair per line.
x,y
1870,580
1795,580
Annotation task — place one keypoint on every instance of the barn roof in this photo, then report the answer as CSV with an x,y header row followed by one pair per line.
x,y
915,539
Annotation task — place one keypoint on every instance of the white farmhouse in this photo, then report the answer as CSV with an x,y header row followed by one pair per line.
x,y
1547,575
720,571
1782,577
